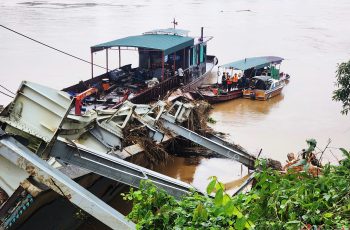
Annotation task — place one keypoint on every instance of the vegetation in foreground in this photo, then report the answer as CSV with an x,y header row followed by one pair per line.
x,y
342,93
277,201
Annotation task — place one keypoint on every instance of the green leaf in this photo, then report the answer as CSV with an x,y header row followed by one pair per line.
x,y
196,212
346,153
229,208
294,222
255,196
219,197
226,199
237,213
211,186
249,224
326,197
327,215
240,223
219,185
204,214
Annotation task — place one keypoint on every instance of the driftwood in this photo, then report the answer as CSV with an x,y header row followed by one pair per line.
x,y
138,134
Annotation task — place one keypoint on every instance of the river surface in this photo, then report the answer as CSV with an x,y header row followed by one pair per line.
x,y
312,35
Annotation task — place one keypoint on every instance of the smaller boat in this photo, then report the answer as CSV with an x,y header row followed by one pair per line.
x,y
224,91
263,87
263,71
215,94
263,74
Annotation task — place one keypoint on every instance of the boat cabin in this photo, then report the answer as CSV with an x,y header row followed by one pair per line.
x,y
161,52
264,83
263,88
256,66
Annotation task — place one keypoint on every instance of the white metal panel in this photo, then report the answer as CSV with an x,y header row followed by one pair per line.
x,y
10,176
39,109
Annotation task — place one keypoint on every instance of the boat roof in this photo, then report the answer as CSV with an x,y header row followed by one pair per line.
x,y
166,42
264,78
253,62
172,31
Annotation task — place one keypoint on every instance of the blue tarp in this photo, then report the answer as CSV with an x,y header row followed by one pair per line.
x,y
253,62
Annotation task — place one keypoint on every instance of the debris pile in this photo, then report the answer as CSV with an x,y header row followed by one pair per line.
x,y
200,115
137,134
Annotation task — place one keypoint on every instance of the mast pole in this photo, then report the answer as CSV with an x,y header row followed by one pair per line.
x,y
162,65
92,64
174,62
107,60
119,57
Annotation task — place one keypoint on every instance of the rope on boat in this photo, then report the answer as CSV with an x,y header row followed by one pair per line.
x,y
51,47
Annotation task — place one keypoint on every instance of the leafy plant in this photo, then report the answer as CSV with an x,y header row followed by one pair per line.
x,y
343,83
211,120
294,200
155,209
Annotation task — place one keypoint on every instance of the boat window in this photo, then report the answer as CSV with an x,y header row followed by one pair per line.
x,y
192,56
262,85
201,55
194,52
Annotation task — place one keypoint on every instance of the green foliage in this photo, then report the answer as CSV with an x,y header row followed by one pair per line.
x,y
277,201
154,209
343,84
211,120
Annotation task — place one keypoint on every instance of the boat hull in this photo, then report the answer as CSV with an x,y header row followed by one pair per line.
x,y
220,98
261,95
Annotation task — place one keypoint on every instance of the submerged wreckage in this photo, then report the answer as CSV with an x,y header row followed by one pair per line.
x,y
45,146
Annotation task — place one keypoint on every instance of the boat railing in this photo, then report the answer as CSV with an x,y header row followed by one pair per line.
x,y
160,90
84,84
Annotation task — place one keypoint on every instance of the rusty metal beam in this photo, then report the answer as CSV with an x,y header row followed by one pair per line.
x,y
19,155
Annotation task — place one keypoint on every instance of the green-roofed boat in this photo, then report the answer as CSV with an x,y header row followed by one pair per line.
x,y
168,58
240,78
267,81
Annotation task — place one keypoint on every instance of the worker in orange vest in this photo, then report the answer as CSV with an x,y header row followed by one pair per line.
x,y
235,80
229,83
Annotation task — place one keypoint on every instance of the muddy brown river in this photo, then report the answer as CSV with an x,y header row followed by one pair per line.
x,y
313,36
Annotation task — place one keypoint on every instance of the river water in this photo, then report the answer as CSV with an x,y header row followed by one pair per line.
x,y
312,35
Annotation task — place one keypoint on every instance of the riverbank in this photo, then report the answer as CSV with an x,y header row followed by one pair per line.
x,y
292,200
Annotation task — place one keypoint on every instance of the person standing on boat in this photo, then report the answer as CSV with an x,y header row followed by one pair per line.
x,y
235,80
224,81
180,73
229,83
